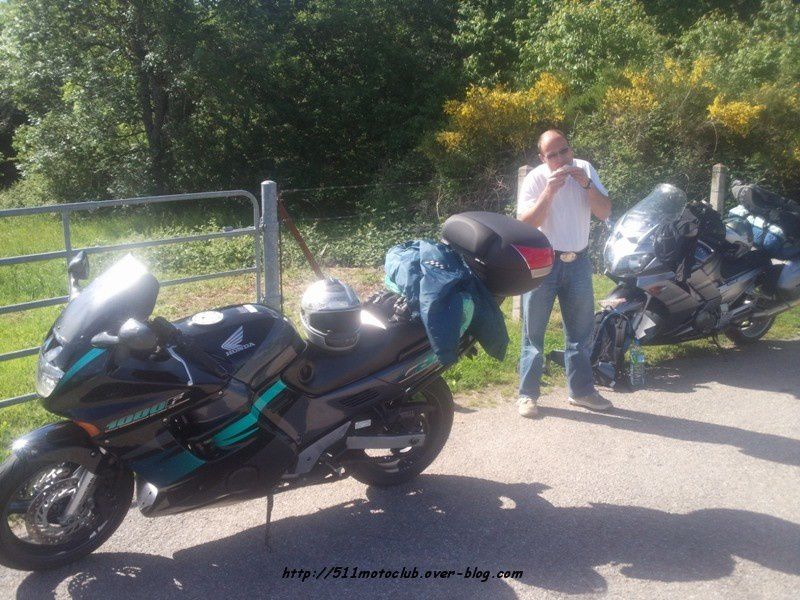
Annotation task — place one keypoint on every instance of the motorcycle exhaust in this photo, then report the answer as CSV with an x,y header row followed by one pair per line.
x,y
732,316
384,442
782,307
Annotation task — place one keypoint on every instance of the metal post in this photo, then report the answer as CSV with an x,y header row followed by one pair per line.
x,y
516,305
269,226
719,183
67,245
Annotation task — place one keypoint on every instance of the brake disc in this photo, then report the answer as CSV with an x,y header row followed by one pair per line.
x,y
43,519
45,479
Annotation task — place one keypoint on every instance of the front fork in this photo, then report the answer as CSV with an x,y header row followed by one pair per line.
x,y
86,485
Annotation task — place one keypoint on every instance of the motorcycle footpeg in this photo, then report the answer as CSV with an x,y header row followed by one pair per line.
x,y
384,442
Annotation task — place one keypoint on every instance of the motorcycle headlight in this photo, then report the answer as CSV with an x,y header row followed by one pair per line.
x,y
630,264
47,374
633,263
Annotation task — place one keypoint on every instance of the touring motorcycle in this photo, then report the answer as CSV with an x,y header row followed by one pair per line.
x,y
231,404
684,274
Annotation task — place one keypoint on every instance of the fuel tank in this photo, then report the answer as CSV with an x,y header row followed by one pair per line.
x,y
253,342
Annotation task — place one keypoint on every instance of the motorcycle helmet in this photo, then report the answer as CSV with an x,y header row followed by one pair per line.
x,y
330,312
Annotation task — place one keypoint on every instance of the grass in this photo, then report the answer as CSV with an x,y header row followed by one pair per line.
x,y
479,381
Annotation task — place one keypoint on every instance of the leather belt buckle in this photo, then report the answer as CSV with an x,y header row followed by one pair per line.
x,y
568,257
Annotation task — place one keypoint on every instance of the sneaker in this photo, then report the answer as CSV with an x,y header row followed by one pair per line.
x,y
526,407
593,401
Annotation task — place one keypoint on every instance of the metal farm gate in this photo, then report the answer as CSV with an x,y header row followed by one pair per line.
x,y
264,232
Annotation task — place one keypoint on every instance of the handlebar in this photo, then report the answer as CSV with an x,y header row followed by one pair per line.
x,y
169,334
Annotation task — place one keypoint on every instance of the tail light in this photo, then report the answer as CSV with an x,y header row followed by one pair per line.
x,y
539,260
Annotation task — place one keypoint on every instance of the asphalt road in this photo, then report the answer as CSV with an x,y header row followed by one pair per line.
x,y
689,489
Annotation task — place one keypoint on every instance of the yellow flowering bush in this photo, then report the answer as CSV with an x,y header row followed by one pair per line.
x,y
638,96
492,119
736,116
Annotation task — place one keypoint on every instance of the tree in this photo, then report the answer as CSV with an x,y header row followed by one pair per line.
x,y
488,34
104,86
580,41
137,96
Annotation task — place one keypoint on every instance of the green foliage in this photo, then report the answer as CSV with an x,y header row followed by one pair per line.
x,y
675,15
356,242
33,190
488,34
110,99
131,98
656,92
580,40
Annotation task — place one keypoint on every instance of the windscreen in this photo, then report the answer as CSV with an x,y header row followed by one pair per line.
x,y
665,203
126,290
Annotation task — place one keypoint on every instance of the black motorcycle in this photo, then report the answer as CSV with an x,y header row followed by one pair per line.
x,y
228,404
682,274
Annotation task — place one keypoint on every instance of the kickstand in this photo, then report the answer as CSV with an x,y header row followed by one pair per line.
x,y
270,503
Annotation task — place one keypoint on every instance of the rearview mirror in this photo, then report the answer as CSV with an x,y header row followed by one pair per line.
x,y
78,270
79,266
137,336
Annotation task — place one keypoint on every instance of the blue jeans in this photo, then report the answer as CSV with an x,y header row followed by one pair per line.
x,y
572,283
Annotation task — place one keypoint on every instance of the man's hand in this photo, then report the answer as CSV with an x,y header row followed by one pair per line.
x,y
556,181
578,175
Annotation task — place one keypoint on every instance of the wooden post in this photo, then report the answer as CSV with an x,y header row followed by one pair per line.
x,y
516,306
719,185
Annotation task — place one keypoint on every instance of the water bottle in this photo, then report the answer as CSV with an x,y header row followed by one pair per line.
x,y
637,365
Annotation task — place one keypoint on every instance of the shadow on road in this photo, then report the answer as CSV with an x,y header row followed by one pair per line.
x,y
765,446
443,522
770,366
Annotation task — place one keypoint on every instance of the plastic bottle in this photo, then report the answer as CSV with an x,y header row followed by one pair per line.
x,y
637,365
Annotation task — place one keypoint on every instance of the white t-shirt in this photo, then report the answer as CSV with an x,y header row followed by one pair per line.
x,y
567,224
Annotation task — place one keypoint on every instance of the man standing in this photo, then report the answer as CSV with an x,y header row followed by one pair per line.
x,y
559,197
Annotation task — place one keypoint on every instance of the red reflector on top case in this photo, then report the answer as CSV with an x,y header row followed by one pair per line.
x,y
535,258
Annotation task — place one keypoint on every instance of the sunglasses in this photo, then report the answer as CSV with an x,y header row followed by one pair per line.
x,y
562,152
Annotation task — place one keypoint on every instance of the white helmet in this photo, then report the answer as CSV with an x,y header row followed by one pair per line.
x,y
330,311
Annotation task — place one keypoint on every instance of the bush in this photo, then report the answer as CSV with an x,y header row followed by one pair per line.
x,y
581,40
643,108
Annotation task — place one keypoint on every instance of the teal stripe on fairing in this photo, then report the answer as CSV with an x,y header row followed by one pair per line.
x,y
162,471
242,436
235,429
248,424
82,362
269,395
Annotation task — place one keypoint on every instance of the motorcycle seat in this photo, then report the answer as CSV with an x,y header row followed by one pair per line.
x,y
380,344
756,259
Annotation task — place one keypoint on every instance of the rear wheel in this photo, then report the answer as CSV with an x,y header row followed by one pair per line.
x,y
35,533
750,331
430,412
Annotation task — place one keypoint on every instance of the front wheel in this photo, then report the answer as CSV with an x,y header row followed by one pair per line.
x,y
430,411
35,531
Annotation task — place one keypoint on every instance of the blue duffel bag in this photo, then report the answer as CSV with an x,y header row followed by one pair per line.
x,y
773,240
